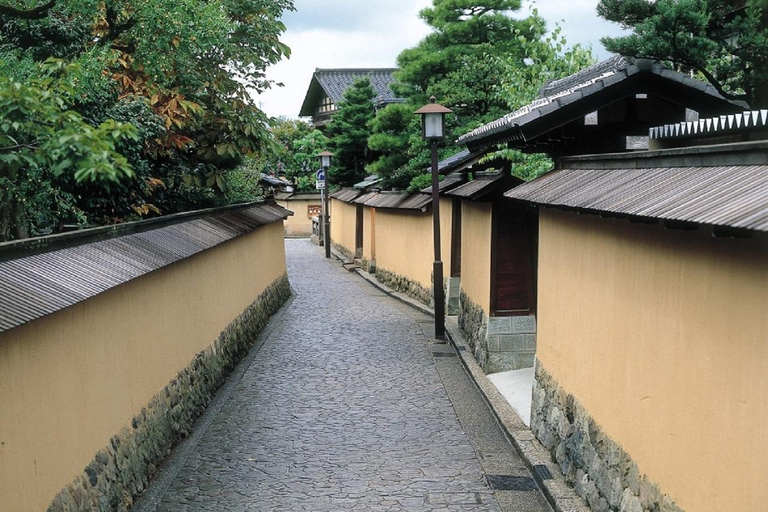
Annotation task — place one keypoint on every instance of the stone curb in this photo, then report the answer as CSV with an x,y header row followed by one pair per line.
x,y
561,496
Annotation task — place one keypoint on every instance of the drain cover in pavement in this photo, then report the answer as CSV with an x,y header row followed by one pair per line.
x,y
511,483
443,354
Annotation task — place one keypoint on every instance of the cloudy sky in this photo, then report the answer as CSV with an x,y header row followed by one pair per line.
x,y
371,33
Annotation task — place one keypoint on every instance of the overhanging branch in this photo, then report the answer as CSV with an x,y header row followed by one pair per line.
x,y
28,14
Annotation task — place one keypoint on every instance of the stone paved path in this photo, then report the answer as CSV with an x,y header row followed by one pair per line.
x,y
343,409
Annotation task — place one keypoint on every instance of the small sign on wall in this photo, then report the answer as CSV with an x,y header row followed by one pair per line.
x,y
314,210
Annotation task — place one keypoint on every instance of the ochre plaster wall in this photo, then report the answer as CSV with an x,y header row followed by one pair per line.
x,y
404,243
299,224
343,218
476,252
73,379
663,338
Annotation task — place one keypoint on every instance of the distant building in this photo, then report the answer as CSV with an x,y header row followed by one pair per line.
x,y
326,91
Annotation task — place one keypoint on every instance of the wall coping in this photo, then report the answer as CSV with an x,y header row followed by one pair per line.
x,y
42,276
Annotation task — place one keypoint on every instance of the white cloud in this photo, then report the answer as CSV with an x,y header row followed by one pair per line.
x,y
371,33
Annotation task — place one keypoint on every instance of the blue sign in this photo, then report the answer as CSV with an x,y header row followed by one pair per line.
x,y
320,175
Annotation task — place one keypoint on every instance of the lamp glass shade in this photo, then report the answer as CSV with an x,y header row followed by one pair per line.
x,y
325,160
433,125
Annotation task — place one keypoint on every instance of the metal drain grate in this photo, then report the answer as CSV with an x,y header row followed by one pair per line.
x,y
443,354
511,483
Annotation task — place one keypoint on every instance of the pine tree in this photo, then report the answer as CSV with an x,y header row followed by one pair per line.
x,y
724,42
349,132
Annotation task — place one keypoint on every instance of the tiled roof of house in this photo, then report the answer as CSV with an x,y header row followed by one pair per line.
x,y
572,97
336,81
721,125
333,82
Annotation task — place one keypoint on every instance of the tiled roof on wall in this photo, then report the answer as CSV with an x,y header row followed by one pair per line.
x,y
41,283
346,195
732,196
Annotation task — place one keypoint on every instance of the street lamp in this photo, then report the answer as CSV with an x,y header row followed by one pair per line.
x,y
325,163
433,130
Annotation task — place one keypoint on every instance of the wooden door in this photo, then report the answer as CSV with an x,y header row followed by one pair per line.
x,y
456,239
511,277
359,231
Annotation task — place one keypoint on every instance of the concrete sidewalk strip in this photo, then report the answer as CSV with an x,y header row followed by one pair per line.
x,y
561,496
516,386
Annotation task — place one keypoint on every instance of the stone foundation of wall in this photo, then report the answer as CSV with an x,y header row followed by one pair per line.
x,y
405,285
511,342
473,322
599,469
499,344
343,251
121,471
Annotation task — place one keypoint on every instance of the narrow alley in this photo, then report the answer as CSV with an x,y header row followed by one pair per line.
x,y
349,404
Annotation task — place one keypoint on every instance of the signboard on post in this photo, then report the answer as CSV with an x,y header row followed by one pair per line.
x,y
320,179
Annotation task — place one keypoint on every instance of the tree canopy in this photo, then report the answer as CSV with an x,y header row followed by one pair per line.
x,y
724,42
480,63
159,88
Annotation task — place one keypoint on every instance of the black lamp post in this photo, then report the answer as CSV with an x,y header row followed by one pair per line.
x,y
325,163
433,130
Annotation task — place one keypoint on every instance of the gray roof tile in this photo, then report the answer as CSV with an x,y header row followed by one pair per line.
x,y
336,81
733,196
41,276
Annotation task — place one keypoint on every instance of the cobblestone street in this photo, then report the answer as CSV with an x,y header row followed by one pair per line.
x,y
348,405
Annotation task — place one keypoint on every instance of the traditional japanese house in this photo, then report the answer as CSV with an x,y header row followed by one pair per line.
x,y
327,87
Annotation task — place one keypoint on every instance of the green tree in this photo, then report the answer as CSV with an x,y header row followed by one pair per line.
x,y
391,132
544,59
480,63
41,140
348,133
459,64
181,72
726,45
297,146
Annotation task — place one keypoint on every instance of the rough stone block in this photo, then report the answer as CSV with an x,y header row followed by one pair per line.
x,y
499,325
630,502
494,343
523,324
523,361
511,342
